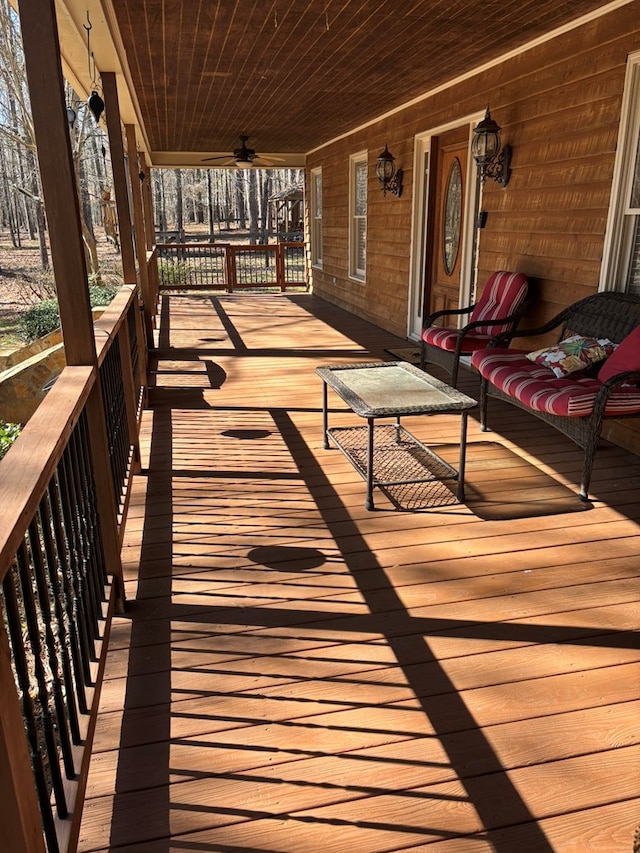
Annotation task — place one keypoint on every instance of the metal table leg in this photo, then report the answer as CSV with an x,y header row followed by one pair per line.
x,y
369,501
325,417
463,455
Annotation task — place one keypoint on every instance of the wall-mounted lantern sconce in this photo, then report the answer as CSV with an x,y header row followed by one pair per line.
x,y
485,147
390,178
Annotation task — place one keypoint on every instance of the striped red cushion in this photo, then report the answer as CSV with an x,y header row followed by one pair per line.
x,y
536,387
501,296
446,339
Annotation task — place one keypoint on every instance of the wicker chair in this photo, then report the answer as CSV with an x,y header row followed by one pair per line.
x,y
603,315
501,305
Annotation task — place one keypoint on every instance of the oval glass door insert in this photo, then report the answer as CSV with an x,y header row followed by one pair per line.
x,y
452,217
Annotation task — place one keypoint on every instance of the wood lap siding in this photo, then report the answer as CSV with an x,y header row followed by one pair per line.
x,y
559,106
551,220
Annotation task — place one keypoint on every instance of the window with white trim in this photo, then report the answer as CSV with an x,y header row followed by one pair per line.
x,y
358,217
316,217
621,259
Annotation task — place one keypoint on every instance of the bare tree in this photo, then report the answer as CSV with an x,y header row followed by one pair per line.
x,y
16,129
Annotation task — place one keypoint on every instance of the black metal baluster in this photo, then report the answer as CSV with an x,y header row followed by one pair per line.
x,y
37,658
122,431
68,596
93,530
21,668
112,401
87,588
80,617
57,645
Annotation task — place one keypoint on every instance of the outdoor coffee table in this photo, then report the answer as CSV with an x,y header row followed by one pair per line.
x,y
391,390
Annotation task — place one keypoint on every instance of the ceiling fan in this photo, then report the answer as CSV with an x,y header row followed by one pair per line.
x,y
244,157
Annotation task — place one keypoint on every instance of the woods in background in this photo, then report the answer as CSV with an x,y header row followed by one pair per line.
x,y
224,200
214,200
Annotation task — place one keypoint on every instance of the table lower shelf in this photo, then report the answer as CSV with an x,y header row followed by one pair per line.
x,y
399,459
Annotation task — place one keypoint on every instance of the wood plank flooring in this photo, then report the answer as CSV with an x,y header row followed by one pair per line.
x,y
294,674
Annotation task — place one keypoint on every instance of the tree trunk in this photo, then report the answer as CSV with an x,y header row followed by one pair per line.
x,y
210,207
227,199
85,201
91,253
264,217
42,236
254,213
240,199
179,212
161,210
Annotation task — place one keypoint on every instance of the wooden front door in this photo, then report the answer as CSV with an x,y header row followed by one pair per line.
x,y
449,196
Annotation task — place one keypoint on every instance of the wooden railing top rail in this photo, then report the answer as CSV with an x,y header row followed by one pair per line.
x,y
26,471
174,246
257,247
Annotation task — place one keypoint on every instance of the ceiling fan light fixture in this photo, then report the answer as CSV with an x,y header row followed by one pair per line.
x,y
244,157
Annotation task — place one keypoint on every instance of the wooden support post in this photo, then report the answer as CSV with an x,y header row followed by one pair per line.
x,y
138,224
58,179
19,813
150,232
147,202
57,174
116,147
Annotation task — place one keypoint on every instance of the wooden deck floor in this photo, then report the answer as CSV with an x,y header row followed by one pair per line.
x,y
296,674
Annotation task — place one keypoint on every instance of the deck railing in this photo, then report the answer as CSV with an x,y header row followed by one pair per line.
x,y
227,267
59,588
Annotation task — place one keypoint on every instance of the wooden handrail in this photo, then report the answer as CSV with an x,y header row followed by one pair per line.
x,y
32,460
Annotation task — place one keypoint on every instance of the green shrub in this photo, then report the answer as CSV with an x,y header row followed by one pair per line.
x,y
44,317
39,320
8,434
101,294
174,273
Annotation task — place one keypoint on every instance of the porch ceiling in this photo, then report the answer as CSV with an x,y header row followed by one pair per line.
x,y
292,76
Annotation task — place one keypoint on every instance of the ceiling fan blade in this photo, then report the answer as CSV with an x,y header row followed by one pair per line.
x,y
228,157
269,160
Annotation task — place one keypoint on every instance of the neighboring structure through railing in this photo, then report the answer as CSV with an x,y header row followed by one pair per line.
x,y
229,267
58,591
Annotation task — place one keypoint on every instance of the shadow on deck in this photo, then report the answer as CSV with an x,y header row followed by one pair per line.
x,y
294,673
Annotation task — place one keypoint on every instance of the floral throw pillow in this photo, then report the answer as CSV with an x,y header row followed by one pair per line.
x,y
573,354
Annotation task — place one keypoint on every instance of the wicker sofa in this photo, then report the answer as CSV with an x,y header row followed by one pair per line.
x,y
577,402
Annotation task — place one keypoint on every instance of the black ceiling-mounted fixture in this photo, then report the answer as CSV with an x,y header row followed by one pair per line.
x,y
95,102
485,148
390,178
244,157
96,105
